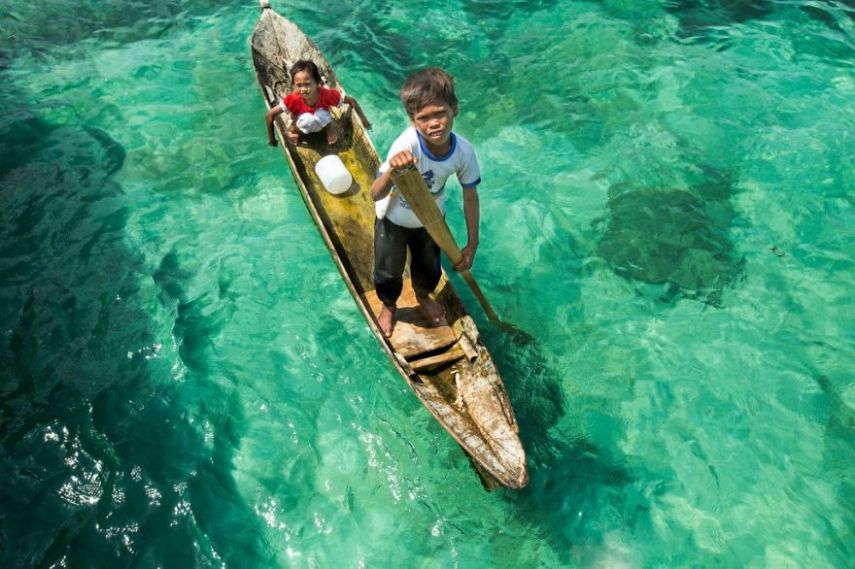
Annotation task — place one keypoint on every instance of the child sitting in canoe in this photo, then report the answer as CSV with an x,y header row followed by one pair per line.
x,y
309,104
437,152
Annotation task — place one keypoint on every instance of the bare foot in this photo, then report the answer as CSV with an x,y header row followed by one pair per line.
x,y
434,310
387,320
293,135
332,134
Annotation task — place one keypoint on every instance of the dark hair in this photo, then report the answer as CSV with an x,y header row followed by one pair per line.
x,y
431,85
306,65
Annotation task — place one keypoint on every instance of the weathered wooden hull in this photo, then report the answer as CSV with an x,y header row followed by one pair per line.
x,y
448,367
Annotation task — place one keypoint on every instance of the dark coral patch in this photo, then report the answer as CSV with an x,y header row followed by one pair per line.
x,y
704,13
666,237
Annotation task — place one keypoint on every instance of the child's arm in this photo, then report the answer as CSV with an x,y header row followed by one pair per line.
x,y
353,103
383,184
271,114
472,213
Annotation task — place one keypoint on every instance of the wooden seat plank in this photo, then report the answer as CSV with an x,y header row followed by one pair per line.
x,y
448,356
414,334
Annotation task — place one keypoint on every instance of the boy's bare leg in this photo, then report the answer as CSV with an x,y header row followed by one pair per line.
x,y
434,310
332,133
387,320
293,134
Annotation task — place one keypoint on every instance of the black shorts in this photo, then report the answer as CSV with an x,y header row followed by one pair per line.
x,y
391,242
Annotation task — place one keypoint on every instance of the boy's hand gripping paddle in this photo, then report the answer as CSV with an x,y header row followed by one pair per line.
x,y
412,186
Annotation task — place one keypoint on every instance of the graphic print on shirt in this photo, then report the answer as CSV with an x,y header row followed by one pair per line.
x,y
428,176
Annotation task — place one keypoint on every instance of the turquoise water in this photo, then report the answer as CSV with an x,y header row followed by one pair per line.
x,y
667,209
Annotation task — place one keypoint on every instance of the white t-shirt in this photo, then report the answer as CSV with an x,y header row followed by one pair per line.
x,y
435,170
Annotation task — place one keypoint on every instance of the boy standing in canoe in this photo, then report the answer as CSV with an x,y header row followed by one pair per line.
x,y
430,145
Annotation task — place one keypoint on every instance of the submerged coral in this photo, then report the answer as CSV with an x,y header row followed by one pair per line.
x,y
666,237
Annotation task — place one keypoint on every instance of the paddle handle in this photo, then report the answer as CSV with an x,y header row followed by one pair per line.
x,y
441,234
412,187
476,290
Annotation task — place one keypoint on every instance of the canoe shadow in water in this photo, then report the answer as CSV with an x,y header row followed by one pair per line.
x,y
575,487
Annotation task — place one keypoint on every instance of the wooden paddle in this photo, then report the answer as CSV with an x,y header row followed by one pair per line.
x,y
412,186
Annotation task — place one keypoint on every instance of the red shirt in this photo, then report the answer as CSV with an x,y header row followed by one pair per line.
x,y
297,105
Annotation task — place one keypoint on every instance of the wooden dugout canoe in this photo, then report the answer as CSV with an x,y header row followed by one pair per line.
x,y
448,367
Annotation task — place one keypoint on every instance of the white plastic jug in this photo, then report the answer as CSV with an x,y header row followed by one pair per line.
x,y
333,174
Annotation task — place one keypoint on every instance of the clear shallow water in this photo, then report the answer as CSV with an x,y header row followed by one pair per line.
x,y
667,208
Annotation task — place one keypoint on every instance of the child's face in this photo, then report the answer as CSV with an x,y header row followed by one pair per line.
x,y
306,86
434,122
